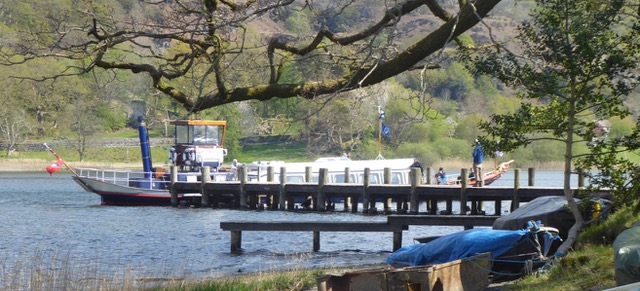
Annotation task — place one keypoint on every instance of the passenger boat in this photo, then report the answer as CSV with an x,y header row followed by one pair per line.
x,y
296,172
197,144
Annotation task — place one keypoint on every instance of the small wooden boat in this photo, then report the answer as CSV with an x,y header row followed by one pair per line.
x,y
489,177
470,273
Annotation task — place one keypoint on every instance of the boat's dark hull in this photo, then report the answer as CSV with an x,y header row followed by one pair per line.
x,y
113,194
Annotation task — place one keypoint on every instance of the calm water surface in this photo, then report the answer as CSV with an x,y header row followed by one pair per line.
x,y
53,221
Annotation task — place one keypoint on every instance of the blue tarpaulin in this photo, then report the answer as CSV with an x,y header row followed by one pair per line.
x,y
457,246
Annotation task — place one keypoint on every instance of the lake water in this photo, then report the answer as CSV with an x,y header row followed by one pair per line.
x,y
51,221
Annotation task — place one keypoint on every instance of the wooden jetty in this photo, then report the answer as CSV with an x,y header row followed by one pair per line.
x,y
395,224
281,196
322,195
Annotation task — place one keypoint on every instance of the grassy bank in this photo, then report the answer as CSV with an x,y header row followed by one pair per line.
x,y
590,266
129,158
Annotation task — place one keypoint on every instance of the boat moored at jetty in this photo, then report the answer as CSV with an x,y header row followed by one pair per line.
x,y
296,172
198,144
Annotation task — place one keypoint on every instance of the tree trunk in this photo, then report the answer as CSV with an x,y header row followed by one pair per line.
x,y
568,194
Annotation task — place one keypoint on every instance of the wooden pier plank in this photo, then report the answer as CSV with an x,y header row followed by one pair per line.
x,y
450,220
236,228
309,226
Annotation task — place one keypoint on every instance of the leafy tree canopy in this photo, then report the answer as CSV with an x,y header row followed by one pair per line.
x,y
200,52
579,60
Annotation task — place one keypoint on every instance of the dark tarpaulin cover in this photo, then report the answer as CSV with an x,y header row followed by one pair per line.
x,y
458,246
549,210
626,249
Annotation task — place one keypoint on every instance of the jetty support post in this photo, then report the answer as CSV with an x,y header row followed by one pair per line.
x,y
236,241
397,240
463,191
429,180
282,193
515,202
242,172
365,190
581,177
271,201
386,179
308,178
478,205
532,177
174,180
316,241
322,180
206,178
347,198
413,195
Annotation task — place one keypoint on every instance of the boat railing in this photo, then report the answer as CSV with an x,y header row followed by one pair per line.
x,y
126,177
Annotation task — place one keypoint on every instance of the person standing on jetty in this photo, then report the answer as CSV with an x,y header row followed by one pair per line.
x,y
441,177
234,170
478,157
416,164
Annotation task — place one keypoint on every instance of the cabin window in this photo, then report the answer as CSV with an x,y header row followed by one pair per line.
x,y
295,179
213,135
396,178
339,178
182,134
199,134
373,178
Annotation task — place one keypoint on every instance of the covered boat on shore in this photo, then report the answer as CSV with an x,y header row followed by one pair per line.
x,y
514,252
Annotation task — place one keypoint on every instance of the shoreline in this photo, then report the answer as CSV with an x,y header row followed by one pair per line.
x,y
39,165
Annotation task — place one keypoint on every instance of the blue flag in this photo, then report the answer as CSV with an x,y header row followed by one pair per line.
x,y
385,130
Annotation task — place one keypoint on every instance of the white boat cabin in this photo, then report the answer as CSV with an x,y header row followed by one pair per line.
x,y
198,143
296,172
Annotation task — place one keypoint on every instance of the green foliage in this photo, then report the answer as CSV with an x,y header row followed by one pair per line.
x,y
270,281
341,19
621,127
290,152
297,23
467,127
451,148
113,118
421,151
605,230
590,268
416,106
570,79
453,82
591,265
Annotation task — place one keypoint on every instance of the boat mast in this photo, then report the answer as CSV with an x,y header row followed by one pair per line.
x,y
380,157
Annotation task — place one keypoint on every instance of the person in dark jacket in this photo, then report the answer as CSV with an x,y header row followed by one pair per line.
x,y
441,177
478,157
416,164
